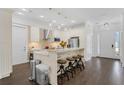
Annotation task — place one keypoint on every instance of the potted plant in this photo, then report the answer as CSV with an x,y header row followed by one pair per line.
x,y
63,44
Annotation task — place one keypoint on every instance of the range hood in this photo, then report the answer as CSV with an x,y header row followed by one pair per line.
x,y
46,34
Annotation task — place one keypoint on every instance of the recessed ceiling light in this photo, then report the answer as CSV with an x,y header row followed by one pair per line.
x,y
20,13
73,21
42,16
26,10
23,9
54,21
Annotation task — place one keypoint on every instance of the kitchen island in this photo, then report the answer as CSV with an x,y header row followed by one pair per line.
x,y
50,57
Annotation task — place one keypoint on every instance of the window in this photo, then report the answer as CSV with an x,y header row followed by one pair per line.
x,y
117,42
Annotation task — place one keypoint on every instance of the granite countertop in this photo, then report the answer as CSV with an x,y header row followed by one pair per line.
x,y
47,51
64,50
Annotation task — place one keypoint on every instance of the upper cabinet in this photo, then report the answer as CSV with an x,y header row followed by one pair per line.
x,y
35,34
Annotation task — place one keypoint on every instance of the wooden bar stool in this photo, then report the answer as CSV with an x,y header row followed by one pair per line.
x,y
70,67
76,63
62,70
80,60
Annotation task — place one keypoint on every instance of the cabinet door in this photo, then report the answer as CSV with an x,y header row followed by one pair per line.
x,y
35,34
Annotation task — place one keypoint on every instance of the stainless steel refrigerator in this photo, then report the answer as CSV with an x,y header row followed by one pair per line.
x,y
73,42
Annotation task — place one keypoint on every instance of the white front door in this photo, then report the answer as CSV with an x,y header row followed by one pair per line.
x,y
19,44
109,44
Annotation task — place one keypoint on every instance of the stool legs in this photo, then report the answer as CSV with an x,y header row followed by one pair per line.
x,y
82,63
70,68
62,72
74,63
78,65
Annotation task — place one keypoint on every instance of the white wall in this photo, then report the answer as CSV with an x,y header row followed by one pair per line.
x,y
5,43
122,42
57,33
88,40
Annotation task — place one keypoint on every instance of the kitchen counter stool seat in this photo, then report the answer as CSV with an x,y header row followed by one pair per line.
x,y
62,70
70,67
80,56
60,61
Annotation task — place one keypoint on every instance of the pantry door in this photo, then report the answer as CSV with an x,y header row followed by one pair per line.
x,y
19,44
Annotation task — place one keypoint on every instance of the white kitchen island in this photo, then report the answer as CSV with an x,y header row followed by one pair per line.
x,y
50,57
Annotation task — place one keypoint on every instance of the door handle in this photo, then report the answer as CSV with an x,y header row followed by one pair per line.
x,y
112,46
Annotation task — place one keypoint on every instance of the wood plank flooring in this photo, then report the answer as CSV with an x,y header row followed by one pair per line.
x,y
19,76
98,71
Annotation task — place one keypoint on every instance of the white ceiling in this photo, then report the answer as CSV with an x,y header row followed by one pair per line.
x,y
67,15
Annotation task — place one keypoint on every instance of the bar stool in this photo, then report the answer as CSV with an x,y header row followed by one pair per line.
x,y
80,60
70,67
62,70
76,63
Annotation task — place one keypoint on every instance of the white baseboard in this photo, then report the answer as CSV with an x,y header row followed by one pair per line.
x,y
87,59
3,76
21,63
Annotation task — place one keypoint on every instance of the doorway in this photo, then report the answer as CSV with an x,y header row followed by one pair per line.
x,y
19,44
110,44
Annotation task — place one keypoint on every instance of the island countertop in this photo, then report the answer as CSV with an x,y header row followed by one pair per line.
x,y
47,51
64,49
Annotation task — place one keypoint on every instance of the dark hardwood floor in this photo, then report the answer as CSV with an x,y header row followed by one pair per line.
x,y
19,76
98,71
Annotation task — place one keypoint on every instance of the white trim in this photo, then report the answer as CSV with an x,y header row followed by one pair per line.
x,y
5,75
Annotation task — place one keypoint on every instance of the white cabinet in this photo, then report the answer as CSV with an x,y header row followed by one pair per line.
x,y
35,34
